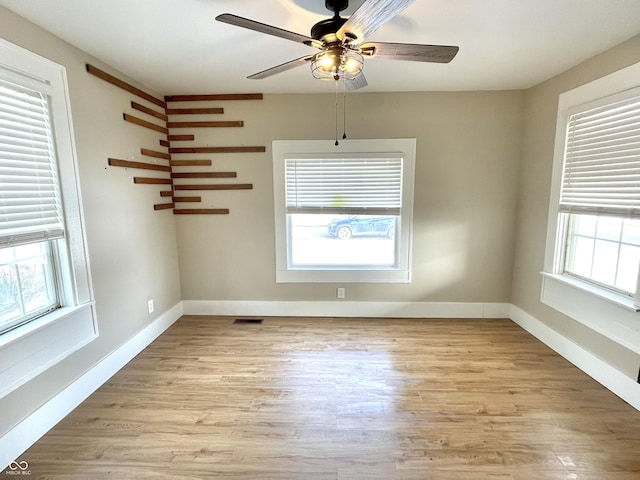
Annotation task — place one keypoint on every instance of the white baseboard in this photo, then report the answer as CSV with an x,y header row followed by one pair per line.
x,y
615,381
26,433
342,308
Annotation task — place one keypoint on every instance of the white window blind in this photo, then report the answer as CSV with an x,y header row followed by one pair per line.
x,y
30,205
602,160
365,186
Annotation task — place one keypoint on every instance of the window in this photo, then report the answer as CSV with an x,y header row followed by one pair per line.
x,y
46,301
343,214
600,193
592,255
31,214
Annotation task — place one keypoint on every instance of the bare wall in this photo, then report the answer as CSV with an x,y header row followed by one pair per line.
x,y
535,182
468,154
132,248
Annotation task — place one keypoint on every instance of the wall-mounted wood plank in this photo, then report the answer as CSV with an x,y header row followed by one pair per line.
x,y
204,175
201,211
219,97
114,162
124,85
152,181
187,199
144,123
181,138
165,143
228,124
219,186
149,111
216,149
163,206
194,111
190,163
166,193
153,153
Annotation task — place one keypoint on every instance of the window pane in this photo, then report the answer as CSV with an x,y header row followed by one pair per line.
x,y
580,256
609,228
628,268
605,261
631,231
345,240
585,225
9,295
27,287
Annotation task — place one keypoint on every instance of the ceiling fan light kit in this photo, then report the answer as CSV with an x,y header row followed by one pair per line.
x,y
337,64
340,41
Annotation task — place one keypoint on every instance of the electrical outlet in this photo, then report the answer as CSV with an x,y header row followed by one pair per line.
x,y
340,292
150,306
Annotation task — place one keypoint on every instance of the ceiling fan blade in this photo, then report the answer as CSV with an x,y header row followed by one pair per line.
x,y
268,29
410,52
359,82
371,15
281,68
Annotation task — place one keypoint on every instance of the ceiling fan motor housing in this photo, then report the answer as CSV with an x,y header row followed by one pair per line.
x,y
327,27
336,5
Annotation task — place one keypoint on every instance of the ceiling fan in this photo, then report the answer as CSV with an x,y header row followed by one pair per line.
x,y
340,41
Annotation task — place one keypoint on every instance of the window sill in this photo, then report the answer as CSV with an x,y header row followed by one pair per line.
x,y
607,295
29,350
613,316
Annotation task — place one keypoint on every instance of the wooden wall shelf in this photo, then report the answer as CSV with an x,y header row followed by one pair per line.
x,y
205,124
201,211
204,175
124,85
216,186
155,154
195,111
114,162
216,149
190,163
144,123
181,138
215,98
164,206
152,181
149,111
187,199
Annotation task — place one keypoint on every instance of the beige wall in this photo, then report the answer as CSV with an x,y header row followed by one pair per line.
x,y
468,151
535,181
132,248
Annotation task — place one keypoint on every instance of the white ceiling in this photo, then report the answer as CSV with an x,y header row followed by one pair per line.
x,y
176,46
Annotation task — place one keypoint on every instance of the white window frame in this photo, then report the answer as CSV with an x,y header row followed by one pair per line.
x,y
607,312
406,148
30,349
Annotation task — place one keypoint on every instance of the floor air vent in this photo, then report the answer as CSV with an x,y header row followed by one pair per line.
x,y
243,321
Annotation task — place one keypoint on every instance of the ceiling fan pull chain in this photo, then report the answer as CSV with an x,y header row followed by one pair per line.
x,y
337,143
344,107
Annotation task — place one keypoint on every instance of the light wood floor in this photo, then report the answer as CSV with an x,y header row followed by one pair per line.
x,y
341,399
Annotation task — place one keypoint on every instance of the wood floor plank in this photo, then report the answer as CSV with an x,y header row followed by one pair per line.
x,y
327,398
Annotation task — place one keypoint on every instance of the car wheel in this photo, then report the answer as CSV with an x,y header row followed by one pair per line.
x,y
391,231
344,233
